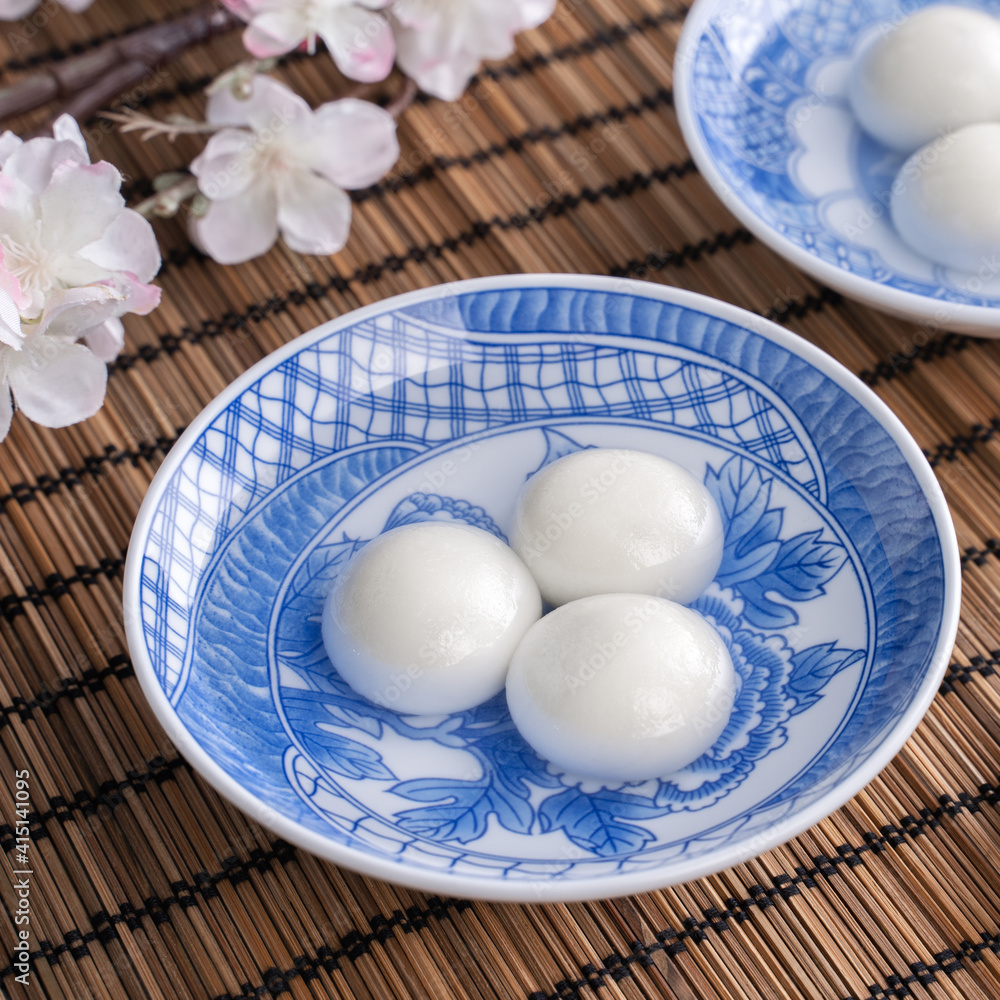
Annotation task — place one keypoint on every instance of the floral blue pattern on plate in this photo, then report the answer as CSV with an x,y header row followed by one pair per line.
x,y
761,98
837,596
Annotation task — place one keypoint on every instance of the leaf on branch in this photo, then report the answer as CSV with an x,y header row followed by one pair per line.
x,y
172,190
163,182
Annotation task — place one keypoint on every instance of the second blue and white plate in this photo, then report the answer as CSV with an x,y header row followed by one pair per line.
x,y
761,98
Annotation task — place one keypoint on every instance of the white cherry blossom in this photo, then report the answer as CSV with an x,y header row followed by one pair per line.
x,y
73,260
53,379
359,39
282,167
12,10
440,43
63,223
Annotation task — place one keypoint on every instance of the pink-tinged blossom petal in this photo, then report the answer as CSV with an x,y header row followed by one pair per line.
x,y
10,321
227,165
8,143
273,108
241,228
239,7
73,260
270,105
35,161
444,78
535,12
9,285
74,312
273,33
142,298
353,143
361,43
66,129
314,215
56,383
128,244
79,205
106,340
18,211
418,14
440,43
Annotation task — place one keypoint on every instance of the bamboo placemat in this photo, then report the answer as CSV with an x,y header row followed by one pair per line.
x,y
146,884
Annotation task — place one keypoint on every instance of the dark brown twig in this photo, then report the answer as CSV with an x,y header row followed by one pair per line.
x,y
89,81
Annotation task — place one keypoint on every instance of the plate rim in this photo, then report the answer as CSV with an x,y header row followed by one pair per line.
x,y
545,888
983,321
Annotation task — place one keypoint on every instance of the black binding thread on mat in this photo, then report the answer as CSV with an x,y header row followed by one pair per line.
x,y
56,585
901,364
109,793
963,444
232,322
353,945
45,701
971,556
617,967
93,465
962,673
604,38
670,940
514,144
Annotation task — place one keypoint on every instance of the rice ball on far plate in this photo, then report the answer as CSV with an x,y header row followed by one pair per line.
x,y
946,201
622,687
609,520
937,70
425,617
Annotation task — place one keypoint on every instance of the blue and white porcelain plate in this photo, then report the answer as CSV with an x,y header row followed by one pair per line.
x,y
838,593
760,89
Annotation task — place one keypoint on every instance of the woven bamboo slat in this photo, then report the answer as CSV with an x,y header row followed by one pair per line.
x,y
146,884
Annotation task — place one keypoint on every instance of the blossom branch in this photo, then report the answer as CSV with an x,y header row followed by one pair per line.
x,y
403,99
167,202
89,81
170,128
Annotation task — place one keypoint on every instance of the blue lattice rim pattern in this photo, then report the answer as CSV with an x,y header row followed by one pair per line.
x,y
759,93
406,411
